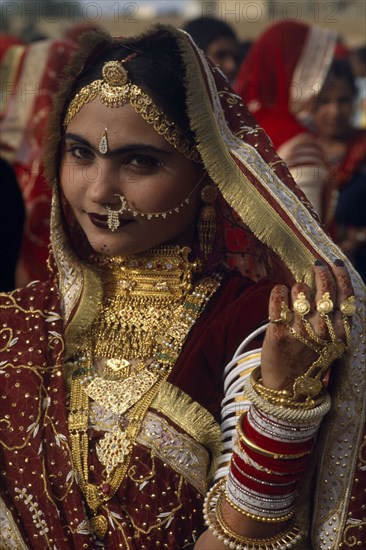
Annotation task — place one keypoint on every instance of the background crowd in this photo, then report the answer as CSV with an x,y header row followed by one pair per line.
x,y
312,108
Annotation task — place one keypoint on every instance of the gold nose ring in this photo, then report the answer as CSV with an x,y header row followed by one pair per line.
x,y
113,220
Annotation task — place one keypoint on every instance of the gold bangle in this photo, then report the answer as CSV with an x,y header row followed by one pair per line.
x,y
307,385
256,380
291,534
216,523
260,450
261,519
284,398
302,416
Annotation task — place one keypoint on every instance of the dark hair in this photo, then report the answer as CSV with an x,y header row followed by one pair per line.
x,y
361,53
157,69
341,69
205,30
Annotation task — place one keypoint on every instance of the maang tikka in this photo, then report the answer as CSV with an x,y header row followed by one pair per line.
x,y
103,144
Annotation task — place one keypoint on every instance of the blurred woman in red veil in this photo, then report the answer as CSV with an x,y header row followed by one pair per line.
x,y
282,72
30,75
344,147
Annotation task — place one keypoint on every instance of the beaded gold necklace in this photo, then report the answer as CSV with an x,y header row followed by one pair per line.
x,y
150,304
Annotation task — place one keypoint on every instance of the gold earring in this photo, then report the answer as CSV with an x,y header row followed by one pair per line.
x,y
103,144
207,219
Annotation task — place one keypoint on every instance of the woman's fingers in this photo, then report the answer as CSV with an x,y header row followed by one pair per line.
x,y
278,300
344,288
302,304
325,298
345,305
307,327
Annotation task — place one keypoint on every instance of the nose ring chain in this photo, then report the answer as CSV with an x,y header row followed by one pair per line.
x,y
113,219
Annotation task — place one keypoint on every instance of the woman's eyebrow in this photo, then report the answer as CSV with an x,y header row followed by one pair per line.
x,y
130,148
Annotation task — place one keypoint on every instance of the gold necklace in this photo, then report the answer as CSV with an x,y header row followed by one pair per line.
x,y
150,305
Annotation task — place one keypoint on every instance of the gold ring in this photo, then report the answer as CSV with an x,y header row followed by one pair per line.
x,y
286,314
301,304
348,307
276,321
325,304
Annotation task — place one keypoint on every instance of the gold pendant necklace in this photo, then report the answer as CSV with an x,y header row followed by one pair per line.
x,y
139,333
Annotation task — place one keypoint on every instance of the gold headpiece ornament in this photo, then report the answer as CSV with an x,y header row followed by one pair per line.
x,y
116,90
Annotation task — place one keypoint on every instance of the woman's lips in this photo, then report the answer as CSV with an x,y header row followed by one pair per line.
x,y
99,220
102,220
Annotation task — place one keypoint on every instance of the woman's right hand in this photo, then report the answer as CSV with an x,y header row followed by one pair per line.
x,y
285,357
285,353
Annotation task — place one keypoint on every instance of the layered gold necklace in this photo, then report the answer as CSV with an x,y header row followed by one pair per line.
x,y
150,304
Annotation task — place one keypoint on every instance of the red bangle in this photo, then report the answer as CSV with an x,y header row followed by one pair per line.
x,y
297,465
273,445
262,488
263,475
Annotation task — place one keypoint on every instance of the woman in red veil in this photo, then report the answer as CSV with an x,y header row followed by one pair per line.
x,y
30,75
278,80
132,414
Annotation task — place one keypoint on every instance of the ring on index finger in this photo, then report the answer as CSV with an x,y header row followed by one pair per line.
x,y
286,314
275,321
285,317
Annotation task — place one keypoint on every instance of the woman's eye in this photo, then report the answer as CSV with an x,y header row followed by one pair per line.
x,y
81,153
143,161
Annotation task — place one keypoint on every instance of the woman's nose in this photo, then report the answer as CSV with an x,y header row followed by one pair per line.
x,y
334,108
229,67
101,183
